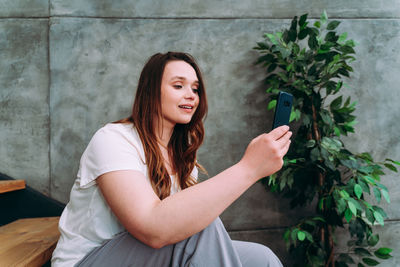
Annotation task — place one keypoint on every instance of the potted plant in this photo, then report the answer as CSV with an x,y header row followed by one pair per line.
x,y
310,61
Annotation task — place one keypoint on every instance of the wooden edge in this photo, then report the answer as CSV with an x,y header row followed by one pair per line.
x,y
35,258
44,257
11,185
29,224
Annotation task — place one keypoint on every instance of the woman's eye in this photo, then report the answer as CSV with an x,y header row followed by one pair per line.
x,y
177,86
195,90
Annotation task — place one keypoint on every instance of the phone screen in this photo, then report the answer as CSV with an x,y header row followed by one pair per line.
x,y
283,109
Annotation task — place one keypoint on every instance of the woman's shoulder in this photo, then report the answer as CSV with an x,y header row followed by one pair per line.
x,y
115,137
125,131
113,147
117,127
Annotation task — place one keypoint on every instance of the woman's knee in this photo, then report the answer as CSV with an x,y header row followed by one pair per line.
x,y
254,254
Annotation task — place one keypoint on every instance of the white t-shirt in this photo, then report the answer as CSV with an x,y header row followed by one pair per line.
x,y
87,220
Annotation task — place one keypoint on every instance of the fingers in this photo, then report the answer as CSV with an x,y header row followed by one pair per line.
x,y
285,148
285,139
277,133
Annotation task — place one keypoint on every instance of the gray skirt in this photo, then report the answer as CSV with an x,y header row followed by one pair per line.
x,y
210,247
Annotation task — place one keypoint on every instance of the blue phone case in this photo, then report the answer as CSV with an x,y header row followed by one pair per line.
x,y
283,109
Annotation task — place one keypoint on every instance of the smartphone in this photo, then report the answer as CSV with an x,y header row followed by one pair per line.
x,y
283,109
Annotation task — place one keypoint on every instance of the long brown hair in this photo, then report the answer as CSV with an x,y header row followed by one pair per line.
x,y
185,139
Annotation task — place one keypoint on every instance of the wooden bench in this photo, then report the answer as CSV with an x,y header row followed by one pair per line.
x,y
28,242
11,185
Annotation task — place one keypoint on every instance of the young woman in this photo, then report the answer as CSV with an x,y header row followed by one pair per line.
x,y
136,200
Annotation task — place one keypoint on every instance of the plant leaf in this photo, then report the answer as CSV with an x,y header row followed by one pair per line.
x,y
293,234
342,37
352,208
292,34
312,41
309,237
310,143
347,49
331,37
324,17
373,240
348,215
383,253
301,235
271,104
344,194
303,33
266,59
384,257
332,25
326,117
386,195
358,190
335,104
272,38
377,194
315,155
286,235
370,262
341,205
384,250
390,167
381,211
272,67
289,67
345,258
364,186
378,218
370,216
362,252
337,131
393,161
382,186
302,20
261,46
318,218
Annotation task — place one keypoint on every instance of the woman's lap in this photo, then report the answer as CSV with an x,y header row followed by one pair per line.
x,y
210,247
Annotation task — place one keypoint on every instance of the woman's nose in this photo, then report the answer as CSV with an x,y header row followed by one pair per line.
x,y
189,93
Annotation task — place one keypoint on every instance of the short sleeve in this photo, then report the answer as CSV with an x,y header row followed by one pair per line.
x,y
195,173
110,149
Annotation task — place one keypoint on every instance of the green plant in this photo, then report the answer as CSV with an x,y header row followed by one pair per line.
x,y
310,62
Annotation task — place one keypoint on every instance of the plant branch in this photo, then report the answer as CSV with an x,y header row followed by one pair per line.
x,y
315,124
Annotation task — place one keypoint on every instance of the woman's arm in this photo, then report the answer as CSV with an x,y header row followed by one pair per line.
x,y
161,222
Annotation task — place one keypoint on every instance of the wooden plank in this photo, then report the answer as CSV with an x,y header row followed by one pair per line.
x,y
11,185
28,242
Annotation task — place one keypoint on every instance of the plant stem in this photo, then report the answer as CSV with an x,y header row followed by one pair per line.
x,y
326,230
330,261
315,124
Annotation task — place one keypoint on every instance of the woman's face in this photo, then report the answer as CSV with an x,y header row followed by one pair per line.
x,y
179,93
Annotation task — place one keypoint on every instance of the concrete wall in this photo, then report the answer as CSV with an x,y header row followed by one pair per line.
x,y
69,67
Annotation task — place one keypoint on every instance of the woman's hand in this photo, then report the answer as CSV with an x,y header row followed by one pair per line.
x,y
264,154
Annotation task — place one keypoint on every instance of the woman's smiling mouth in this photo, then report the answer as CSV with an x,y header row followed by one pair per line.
x,y
186,107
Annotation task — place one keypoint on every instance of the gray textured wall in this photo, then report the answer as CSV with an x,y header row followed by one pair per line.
x,y
68,67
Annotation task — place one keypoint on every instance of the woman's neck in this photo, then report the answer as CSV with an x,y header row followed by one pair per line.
x,y
164,132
